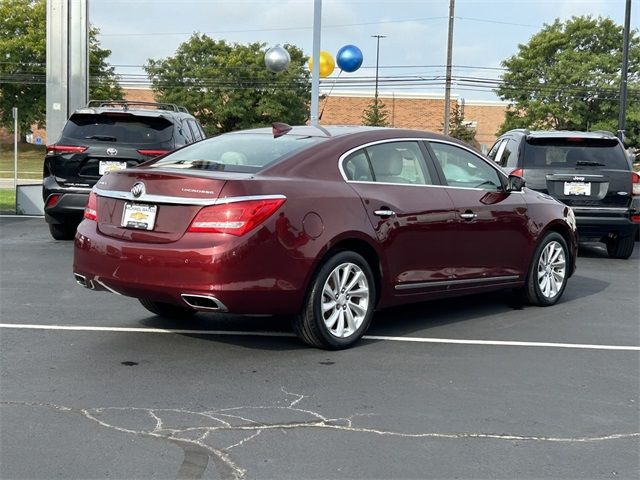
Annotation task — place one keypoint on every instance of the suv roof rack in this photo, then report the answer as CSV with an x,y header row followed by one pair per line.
x,y
126,104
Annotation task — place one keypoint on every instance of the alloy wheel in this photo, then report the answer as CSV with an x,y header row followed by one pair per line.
x,y
345,300
552,268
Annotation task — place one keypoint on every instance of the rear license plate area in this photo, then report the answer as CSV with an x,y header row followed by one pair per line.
x,y
139,216
577,188
110,166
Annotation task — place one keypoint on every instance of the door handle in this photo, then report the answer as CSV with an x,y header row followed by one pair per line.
x,y
384,213
468,215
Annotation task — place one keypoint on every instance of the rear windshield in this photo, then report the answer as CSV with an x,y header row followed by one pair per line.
x,y
236,152
572,153
119,127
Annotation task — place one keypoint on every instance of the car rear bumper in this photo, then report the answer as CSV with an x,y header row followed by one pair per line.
x,y
596,227
237,274
70,205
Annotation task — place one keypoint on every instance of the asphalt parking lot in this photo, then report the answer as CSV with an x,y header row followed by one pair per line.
x,y
93,386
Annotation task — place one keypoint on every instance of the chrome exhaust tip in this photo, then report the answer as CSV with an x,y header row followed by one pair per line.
x,y
204,302
82,281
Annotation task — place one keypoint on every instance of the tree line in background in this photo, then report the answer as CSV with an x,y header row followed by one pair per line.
x,y
566,77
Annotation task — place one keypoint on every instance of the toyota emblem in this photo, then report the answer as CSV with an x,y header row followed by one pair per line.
x,y
112,151
138,189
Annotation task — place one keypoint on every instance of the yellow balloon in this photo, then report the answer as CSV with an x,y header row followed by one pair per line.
x,y
327,64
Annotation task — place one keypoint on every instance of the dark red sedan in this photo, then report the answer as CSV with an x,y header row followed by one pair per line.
x,y
324,223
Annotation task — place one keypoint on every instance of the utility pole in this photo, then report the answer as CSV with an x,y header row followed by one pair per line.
x,y
625,69
378,37
447,88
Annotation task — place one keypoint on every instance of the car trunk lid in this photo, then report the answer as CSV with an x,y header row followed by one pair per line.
x,y
153,206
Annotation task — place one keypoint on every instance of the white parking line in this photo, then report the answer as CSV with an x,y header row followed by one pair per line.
x,y
499,343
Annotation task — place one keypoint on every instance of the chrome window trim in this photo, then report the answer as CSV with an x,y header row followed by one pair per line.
x,y
442,283
415,139
172,200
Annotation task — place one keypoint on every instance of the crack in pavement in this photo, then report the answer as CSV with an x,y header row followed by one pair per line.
x,y
212,434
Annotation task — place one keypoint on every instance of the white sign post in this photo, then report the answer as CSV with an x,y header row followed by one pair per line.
x,y
14,112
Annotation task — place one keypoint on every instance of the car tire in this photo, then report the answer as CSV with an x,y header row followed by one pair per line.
x,y
548,272
620,247
167,310
62,231
339,304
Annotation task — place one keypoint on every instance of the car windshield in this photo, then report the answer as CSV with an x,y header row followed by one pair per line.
x,y
574,152
118,127
236,152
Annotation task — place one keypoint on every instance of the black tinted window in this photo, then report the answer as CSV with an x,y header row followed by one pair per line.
x,y
119,127
571,153
236,152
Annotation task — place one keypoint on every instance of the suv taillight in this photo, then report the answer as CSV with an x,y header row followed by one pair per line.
x,y
235,218
153,153
91,210
65,149
518,172
635,184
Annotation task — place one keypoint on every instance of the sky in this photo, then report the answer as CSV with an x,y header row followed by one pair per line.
x,y
412,56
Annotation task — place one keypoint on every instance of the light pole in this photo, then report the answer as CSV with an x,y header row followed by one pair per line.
x,y
315,72
447,87
625,68
378,37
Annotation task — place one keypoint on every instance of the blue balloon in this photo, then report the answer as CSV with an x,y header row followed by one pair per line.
x,y
349,58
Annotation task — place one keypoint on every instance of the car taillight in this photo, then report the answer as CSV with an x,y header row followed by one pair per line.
x,y
52,200
518,172
235,218
91,210
153,153
635,184
65,149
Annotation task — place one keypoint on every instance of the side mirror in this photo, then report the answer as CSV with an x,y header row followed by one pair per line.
x,y
516,183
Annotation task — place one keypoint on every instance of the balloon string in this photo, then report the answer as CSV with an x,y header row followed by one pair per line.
x,y
324,105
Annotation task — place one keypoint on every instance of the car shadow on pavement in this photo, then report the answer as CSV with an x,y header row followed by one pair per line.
x,y
396,321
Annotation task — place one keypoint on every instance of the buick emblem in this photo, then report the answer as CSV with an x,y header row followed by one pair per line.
x,y
112,151
138,189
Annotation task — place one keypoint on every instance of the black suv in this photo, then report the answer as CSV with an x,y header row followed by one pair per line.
x,y
589,171
105,136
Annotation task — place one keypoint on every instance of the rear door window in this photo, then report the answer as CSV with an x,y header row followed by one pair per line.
x,y
570,153
118,127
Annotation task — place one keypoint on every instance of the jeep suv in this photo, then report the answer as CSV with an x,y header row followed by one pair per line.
x,y
105,136
588,171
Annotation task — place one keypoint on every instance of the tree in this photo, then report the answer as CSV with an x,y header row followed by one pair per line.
x,y
460,129
228,87
22,65
376,114
568,77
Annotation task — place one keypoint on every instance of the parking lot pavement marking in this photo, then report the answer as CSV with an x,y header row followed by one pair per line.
x,y
499,343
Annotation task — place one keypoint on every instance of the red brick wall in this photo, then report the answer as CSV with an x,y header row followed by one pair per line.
x,y
419,112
